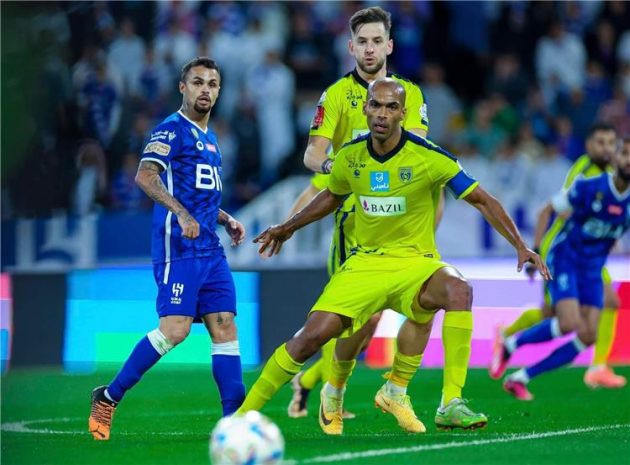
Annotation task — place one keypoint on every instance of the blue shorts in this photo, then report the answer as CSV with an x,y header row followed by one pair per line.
x,y
572,280
195,287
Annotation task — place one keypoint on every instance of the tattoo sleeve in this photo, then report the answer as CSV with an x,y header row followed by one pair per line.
x,y
148,178
222,217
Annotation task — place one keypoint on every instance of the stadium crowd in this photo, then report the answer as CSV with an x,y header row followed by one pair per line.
x,y
511,87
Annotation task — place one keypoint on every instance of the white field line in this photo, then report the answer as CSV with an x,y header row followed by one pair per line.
x,y
28,427
449,445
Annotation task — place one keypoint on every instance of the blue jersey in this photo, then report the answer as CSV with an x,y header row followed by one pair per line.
x,y
599,216
192,174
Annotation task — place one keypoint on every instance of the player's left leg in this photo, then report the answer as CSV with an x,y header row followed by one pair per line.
x,y
600,374
586,334
448,289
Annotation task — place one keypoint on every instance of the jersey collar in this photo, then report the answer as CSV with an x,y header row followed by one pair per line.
x,y
357,77
205,131
618,195
391,153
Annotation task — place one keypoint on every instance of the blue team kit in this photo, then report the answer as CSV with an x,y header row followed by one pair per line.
x,y
193,276
600,215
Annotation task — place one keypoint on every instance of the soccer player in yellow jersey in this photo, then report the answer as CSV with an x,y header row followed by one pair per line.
x,y
338,119
393,176
600,145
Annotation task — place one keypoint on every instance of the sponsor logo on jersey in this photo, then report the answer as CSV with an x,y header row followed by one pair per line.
x,y
379,181
318,119
383,206
208,177
162,135
171,136
615,210
159,148
194,133
405,174
211,147
178,290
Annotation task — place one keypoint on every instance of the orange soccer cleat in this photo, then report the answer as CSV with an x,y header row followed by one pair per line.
x,y
603,376
101,414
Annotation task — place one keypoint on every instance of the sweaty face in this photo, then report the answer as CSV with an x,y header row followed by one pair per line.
x,y
601,147
385,109
370,46
201,88
622,160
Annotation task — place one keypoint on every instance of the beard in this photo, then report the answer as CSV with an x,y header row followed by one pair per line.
x,y
375,68
625,175
201,110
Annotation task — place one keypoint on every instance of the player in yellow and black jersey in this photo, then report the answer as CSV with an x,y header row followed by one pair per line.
x,y
338,119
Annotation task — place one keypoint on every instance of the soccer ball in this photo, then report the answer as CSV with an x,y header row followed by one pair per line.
x,y
246,439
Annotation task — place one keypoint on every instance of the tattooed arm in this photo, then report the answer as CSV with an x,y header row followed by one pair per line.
x,y
148,178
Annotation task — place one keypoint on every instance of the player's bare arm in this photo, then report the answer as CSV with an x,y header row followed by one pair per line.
x,y
542,222
495,214
304,198
272,238
234,228
148,178
316,155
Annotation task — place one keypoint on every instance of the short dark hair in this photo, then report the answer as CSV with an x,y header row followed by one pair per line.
x,y
600,126
373,14
198,61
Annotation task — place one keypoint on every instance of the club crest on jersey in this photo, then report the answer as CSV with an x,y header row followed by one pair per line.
x,y
379,181
178,290
405,174
199,145
159,148
171,136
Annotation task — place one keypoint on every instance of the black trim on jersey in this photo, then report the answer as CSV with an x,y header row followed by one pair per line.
x,y
357,139
357,77
416,139
383,158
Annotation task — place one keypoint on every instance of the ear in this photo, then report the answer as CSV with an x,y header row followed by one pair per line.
x,y
365,107
182,86
350,47
390,46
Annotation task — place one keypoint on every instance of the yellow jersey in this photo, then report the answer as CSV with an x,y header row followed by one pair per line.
x,y
339,117
396,194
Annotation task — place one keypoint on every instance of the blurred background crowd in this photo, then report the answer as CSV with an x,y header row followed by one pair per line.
x,y
511,87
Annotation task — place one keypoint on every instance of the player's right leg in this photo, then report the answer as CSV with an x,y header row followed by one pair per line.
x,y
176,305
289,358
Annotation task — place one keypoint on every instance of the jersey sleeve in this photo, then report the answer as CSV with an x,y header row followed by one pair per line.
x,y
573,199
164,142
417,117
326,116
446,171
575,172
337,179
320,181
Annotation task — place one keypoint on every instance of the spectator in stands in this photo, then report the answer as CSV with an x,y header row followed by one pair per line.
x,y
125,193
560,62
509,79
126,54
305,53
567,142
445,109
528,144
482,133
92,177
600,45
173,47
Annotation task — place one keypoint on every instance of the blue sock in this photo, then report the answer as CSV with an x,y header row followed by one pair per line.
x,y
143,357
227,372
559,357
546,330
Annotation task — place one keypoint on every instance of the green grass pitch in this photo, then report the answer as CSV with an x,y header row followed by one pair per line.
x,y
167,417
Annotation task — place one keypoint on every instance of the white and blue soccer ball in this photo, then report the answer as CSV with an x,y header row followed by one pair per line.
x,y
249,439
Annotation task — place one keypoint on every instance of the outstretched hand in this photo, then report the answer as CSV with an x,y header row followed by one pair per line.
x,y
271,239
530,259
236,231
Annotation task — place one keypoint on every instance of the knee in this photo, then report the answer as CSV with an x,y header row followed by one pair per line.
x,y
304,346
587,335
226,332
611,300
568,324
459,293
176,334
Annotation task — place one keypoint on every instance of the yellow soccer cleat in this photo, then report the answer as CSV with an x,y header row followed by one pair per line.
x,y
401,409
331,414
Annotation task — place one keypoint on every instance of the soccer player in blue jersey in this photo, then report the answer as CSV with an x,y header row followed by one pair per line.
x,y
180,170
598,213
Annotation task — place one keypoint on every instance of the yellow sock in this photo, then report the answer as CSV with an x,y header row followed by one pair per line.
x,y
605,335
320,370
340,371
528,318
278,371
456,338
403,368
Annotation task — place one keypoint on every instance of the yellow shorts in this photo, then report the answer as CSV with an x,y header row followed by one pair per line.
x,y
367,284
